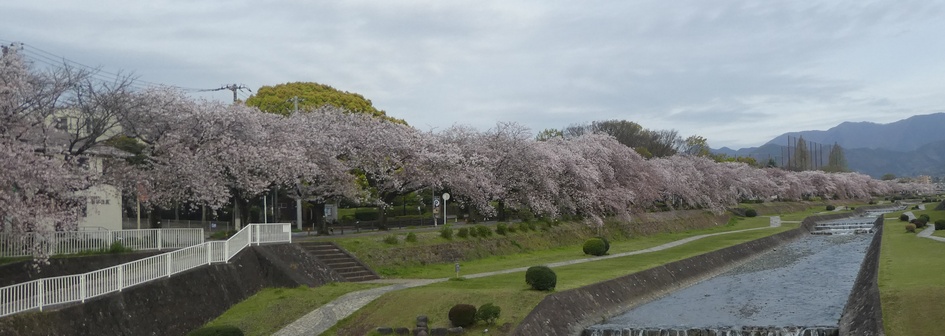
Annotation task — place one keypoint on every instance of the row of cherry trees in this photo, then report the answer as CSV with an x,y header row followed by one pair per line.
x,y
212,154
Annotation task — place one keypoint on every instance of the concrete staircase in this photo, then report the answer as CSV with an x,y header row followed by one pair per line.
x,y
339,260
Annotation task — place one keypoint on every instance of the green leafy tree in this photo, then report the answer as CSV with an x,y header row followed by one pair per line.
x,y
649,143
889,177
696,145
548,134
283,98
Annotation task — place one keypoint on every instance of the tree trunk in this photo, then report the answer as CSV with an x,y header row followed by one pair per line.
x,y
319,222
501,212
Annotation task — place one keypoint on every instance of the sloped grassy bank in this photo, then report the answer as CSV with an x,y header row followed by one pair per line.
x,y
430,248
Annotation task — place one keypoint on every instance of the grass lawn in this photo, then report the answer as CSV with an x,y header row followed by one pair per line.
x,y
816,210
273,308
509,291
910,280
445,270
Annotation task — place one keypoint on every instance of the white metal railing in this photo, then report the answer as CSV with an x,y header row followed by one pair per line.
x,y
69,242
41,293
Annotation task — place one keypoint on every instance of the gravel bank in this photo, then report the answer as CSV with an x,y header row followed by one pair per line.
x,y
805,283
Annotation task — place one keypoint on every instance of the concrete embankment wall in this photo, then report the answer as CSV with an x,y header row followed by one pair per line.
x,y
181,303
863,313
570,312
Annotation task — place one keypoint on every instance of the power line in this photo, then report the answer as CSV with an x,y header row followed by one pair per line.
x,y
232,87
35,54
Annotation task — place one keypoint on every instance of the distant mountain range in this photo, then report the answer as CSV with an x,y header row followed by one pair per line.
x,y
909,147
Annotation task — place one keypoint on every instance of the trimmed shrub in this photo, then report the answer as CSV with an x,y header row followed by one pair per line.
x,y
488,313
940,224
463,233
904,217
502,229
512,229
541,278
925,217
392,239
411,237
910,227
483,231
751,213
463,315
473,232
447,232
595,247
224,330
366,215
606,244
831,207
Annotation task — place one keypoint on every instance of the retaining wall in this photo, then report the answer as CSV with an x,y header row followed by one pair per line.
x,y
863,313
570,312
181,303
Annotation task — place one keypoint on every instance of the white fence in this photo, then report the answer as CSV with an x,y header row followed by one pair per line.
x,y
69,242
38,294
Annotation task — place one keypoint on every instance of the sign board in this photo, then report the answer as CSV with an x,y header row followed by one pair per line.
x,y
436,203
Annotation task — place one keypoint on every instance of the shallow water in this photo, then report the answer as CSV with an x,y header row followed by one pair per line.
x,y
804,283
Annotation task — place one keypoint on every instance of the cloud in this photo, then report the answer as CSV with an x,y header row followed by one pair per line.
x,y
737,72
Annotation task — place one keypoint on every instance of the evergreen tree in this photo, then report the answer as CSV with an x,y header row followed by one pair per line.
x,y
801,159
836,162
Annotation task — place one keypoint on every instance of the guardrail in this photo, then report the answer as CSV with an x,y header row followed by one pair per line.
x,y
69,242
42,293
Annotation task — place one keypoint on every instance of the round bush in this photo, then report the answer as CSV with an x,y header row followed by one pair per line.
x,y
595,246
483,231
411,238
751,213
488,313
831,207
541,278
502,229
463,315
940,224
606,244
463,233
910,227
224,330
904,217
447,232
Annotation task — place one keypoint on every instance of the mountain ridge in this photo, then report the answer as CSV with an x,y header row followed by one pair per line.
x,y
908,147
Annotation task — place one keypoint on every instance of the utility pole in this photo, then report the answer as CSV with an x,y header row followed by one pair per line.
x,y
231,87
295,100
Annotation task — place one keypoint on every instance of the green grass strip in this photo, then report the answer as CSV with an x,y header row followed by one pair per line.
x,y
509,291
273,308
910,279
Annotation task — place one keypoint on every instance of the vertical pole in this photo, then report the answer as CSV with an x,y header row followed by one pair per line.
x,y
160,240
82,292
432,202
265,210
167,262
40,293
138,205
445,219
298,213
121,277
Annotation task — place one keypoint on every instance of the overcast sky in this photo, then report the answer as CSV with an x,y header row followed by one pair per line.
x,y
736,72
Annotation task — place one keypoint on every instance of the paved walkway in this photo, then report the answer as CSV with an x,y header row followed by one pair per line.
x,y
927,233
326,316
